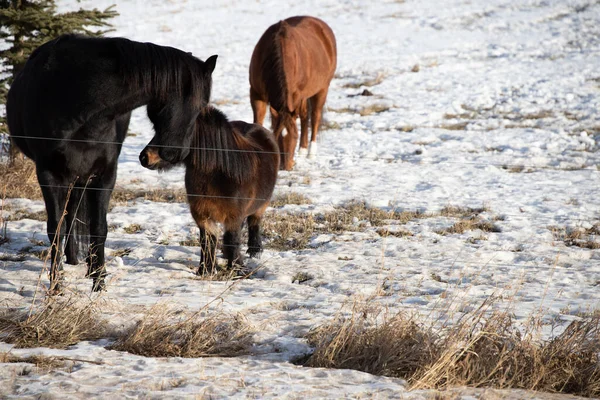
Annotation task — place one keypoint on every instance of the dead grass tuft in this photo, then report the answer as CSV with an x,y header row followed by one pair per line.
x,y
462,212
458,126
294,231
58,323
41,362
133,228
373,109
121,196
369,82
483,349
282,199
470,224
19,180
24,213
579,237
163,333
383,232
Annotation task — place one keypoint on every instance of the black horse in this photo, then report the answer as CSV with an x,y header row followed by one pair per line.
x,y
69,109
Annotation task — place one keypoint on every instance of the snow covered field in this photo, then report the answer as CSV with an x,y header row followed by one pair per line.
x,y
476,103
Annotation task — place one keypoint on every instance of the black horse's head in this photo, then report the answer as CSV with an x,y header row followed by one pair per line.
x,y
174,116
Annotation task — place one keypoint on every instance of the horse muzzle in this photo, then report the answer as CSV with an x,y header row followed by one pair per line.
x,y
149,158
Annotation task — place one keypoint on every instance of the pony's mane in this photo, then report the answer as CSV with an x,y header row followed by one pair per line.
x,y
218,147
277,89
161,71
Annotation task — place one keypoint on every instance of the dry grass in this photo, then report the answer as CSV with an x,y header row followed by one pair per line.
x,y
586,238
294,231
383,232
469,220
462,212
483,349
24,213
282,199
369,82
458,126
302,277
470,224
363,111
41,362
121,196
19,180
133,228
164,333
373,109
58,323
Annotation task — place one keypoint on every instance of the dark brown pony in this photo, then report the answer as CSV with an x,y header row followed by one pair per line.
x,y
230,175
291,68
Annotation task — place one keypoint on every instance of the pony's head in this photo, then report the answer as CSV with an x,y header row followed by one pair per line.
x,y
174,114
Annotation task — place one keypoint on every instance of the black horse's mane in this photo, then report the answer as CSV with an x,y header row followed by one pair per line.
x,y
216,146
161,71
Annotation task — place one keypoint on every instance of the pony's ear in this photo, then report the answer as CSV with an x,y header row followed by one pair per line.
x,y
210,64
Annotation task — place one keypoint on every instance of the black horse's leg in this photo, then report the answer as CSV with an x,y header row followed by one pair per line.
x,y
70,228
208,253
231,245
254,237
55,196
98,196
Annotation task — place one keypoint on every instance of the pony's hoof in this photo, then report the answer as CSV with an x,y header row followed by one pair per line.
x,y
254,252
302,151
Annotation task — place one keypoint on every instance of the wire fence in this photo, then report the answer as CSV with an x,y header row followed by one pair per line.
x,y
406,158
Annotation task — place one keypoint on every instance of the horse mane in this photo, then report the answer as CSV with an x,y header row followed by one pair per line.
x,y
216,146
277,89
160,71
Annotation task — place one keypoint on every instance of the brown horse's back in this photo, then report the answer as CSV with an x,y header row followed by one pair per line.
x,y
301,53
291,68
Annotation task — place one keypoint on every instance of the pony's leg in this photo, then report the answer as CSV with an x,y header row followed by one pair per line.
x,y
54,192
259,107
98,197
317,103
254,236
231,243
208,251
303,127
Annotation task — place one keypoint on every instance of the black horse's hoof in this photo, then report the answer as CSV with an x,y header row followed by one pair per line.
x,y
72,260
203,270
56,289
99,285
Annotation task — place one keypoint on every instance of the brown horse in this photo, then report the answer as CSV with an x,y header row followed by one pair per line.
x,y
291,68
231,171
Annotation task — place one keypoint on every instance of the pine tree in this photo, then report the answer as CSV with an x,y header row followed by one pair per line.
x,y
26,24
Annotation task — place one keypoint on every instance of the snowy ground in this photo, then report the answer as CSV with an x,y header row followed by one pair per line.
x,y
475,103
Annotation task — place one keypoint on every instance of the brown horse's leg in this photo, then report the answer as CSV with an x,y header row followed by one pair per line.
x,y
208,251
231,243
317,103
290,140
303,128
259,107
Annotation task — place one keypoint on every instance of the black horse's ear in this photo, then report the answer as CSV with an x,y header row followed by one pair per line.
x,y
210,64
